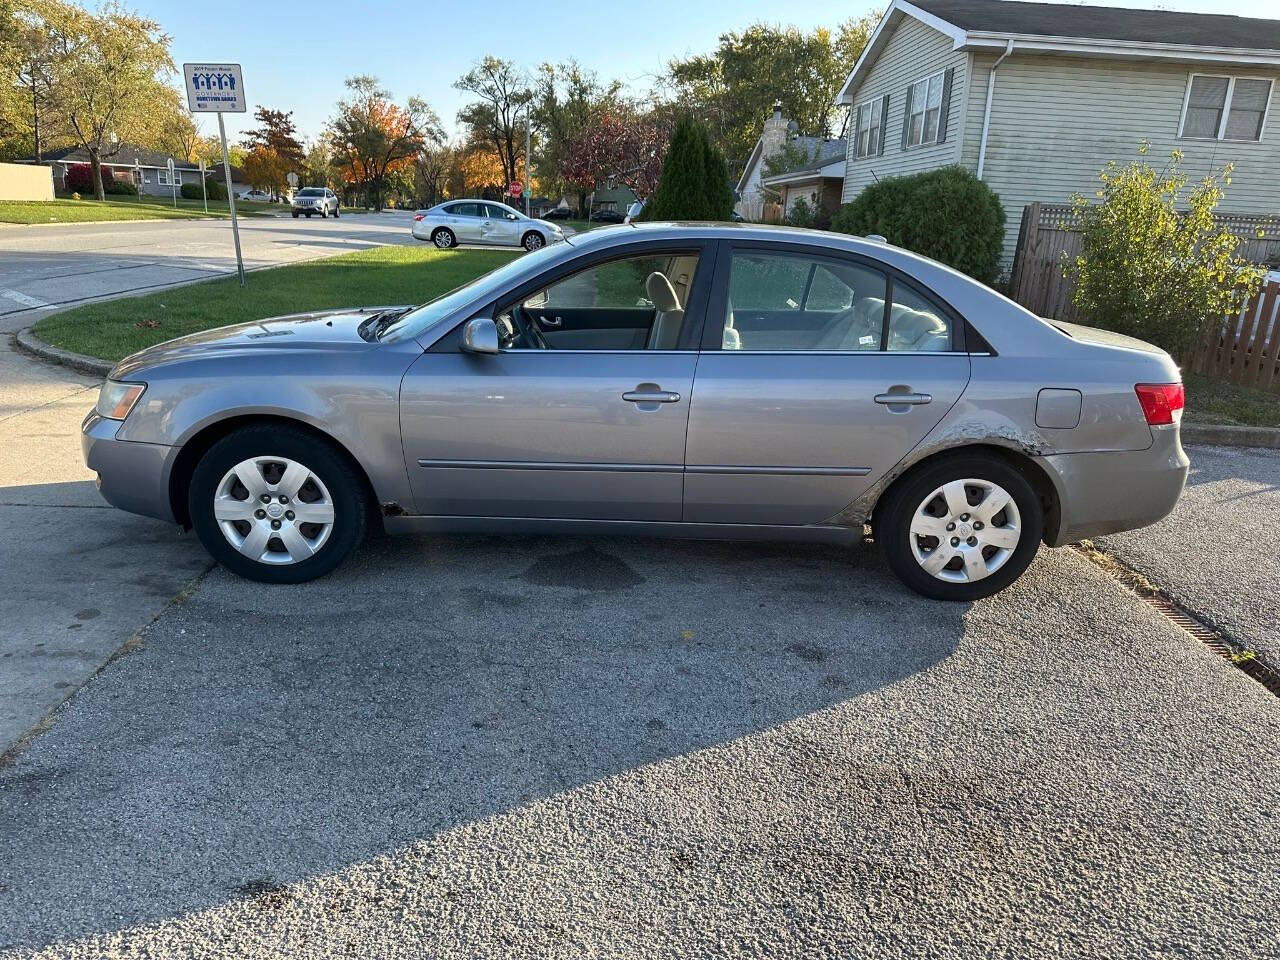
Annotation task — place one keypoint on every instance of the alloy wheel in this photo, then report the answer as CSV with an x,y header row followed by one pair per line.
x,y
273,510
965,530
533,241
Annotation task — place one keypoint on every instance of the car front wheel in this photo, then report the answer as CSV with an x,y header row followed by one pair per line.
x,y
276,505
444,239
963,528
533,241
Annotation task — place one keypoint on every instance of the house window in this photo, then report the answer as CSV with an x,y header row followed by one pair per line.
x,y
867,143
925,103
1225,108
164,177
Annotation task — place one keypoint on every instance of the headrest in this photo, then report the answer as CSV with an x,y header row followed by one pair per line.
x,y
661,294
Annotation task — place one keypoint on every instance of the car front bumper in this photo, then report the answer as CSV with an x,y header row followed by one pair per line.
x,y
1101,493
132,476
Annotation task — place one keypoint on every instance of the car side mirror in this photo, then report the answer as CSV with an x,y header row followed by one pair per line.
x,y
480,335
512,216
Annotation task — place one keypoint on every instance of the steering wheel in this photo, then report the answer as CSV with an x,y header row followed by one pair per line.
x,y
531,330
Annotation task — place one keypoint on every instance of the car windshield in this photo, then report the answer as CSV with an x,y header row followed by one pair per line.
x,y
310,192
419,319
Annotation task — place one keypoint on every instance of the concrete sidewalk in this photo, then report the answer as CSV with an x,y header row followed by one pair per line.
x,y
77,578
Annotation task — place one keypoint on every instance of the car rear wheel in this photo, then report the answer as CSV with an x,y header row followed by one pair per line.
x,y
336,213
960,529
533,241
276,505
444,238
295,214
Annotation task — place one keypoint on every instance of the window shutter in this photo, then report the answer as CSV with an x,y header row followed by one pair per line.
x,y
945,105
884,121
906,118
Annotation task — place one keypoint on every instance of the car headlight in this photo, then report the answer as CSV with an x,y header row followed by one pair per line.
x,y
116,399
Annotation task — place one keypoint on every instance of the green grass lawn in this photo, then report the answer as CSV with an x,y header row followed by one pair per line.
x,y
121,208
1210,400
382,275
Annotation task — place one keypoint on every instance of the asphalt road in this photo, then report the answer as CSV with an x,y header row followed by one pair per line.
x,y
547,748
67,263
1219,551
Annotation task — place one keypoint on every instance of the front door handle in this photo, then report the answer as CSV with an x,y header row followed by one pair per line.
x,y
914,399
549,322
651,396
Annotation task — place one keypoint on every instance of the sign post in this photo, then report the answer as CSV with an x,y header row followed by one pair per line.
x,y
219,88
204,187
173,185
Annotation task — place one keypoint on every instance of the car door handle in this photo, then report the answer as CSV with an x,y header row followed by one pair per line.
x,y
552,322
651,396
915,399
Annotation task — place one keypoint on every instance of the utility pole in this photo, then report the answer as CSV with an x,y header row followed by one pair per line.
x,y
528,143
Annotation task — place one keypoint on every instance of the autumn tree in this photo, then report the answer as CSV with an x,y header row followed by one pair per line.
x,y
496,117
623,146
30,34
431,173
567,102
733,89
276,134
108,80
178,133
371,136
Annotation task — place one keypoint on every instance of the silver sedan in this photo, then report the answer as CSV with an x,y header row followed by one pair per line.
x,y
684,380
482,221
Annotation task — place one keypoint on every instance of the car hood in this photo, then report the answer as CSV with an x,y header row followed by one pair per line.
x,y
548,224
321,330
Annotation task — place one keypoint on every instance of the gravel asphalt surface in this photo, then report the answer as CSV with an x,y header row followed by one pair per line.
x,y
1218,552
564,748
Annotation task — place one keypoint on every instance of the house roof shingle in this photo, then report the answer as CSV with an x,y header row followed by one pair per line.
x,y
1107,23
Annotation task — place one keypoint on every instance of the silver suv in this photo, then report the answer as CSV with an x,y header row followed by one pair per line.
x,y
311,200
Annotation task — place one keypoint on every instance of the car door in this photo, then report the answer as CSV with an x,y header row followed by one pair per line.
x,y
819,372
496,228
465,220
547,431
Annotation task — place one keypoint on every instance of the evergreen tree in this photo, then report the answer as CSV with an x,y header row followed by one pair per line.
x,y
695,180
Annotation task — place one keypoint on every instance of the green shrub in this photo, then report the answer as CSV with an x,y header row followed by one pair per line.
x,y
191,191
1154,264
947,214
801,214
694,184
122,188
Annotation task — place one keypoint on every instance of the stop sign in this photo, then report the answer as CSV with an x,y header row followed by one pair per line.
x,y
516,188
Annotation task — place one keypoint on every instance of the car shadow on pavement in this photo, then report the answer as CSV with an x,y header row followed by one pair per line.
x,y
266,735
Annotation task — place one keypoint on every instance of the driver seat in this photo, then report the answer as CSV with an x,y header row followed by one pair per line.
x,y
668,316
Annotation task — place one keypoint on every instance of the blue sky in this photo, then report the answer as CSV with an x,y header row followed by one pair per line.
x,y
298,60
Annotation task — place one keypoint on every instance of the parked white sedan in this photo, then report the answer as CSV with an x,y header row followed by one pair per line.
x,y
482,221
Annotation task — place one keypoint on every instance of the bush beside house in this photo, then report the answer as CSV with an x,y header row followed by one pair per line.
x,y
947,214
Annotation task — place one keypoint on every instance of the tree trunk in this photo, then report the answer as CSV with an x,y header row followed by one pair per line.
x,y
95,164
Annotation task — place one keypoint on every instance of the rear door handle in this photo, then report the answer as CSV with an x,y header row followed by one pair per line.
x,y
651,396
915,399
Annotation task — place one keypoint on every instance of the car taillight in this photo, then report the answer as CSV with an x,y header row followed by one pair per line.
x,y
1162,403
418,216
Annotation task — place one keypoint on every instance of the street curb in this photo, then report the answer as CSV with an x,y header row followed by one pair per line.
x,y
1222,435
29,343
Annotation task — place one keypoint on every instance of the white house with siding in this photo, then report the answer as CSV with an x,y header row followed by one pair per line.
x,y
1036,98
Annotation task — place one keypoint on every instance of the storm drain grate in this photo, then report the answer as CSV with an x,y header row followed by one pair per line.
x,y
1242,657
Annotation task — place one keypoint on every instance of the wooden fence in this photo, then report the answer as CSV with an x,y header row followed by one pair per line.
x,y
1244,349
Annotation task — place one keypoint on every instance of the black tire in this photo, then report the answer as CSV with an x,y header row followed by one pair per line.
x,y
295,214
346,489
324,213
444,239
336,213
533,240
894,515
